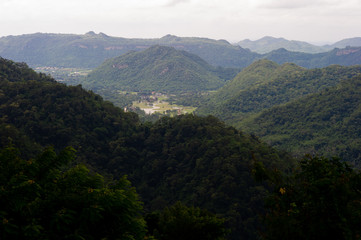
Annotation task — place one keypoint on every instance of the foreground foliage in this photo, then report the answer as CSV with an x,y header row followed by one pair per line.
x,y
320,200
46,198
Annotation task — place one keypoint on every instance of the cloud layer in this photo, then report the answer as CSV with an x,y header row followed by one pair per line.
x,y
311,20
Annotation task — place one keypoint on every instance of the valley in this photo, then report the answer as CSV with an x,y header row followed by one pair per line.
x,y
182,133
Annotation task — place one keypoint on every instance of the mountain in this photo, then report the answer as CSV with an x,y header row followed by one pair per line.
x,y
268,44
327,122
157,68
90,50
265,84
199,161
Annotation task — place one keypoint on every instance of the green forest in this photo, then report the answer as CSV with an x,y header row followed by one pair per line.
x,y
74,166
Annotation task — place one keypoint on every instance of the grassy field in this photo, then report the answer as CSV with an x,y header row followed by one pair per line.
x,y
162,106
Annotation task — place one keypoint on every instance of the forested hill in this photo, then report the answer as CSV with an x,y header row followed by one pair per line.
x,y
198,161
158,68
90,50
327,122
265,84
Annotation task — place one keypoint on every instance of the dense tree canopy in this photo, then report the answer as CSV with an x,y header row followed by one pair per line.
x,y
320,200
49,198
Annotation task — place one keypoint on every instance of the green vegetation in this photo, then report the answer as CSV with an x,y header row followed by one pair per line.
x,y
196,160
320,200
159,68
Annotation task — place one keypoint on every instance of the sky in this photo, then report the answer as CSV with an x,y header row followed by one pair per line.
x,y
315,21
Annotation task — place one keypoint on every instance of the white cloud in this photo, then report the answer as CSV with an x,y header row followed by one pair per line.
x,y
228,19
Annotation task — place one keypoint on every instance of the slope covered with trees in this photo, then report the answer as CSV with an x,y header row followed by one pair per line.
x,y
265,84
327,122
198,161
158,68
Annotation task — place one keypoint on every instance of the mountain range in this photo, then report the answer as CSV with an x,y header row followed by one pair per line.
x,y
90,50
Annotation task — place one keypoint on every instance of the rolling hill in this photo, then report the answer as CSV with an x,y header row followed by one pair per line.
x,y
265,84
158,68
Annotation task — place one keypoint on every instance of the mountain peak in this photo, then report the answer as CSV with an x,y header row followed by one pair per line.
x,y
91,33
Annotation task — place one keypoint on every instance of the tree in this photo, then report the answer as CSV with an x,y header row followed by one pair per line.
x,y
47,198
320,200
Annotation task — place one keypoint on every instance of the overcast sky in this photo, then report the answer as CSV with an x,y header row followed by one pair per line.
x,y
233,20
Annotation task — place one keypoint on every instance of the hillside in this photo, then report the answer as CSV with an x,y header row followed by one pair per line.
x,y
265,84
268,44
90,50
327,122
198,161
158,68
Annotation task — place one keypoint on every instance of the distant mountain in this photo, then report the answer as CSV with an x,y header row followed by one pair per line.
x,y
349,42
157,68
90,50
265,84
346,57
268,44
327,122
